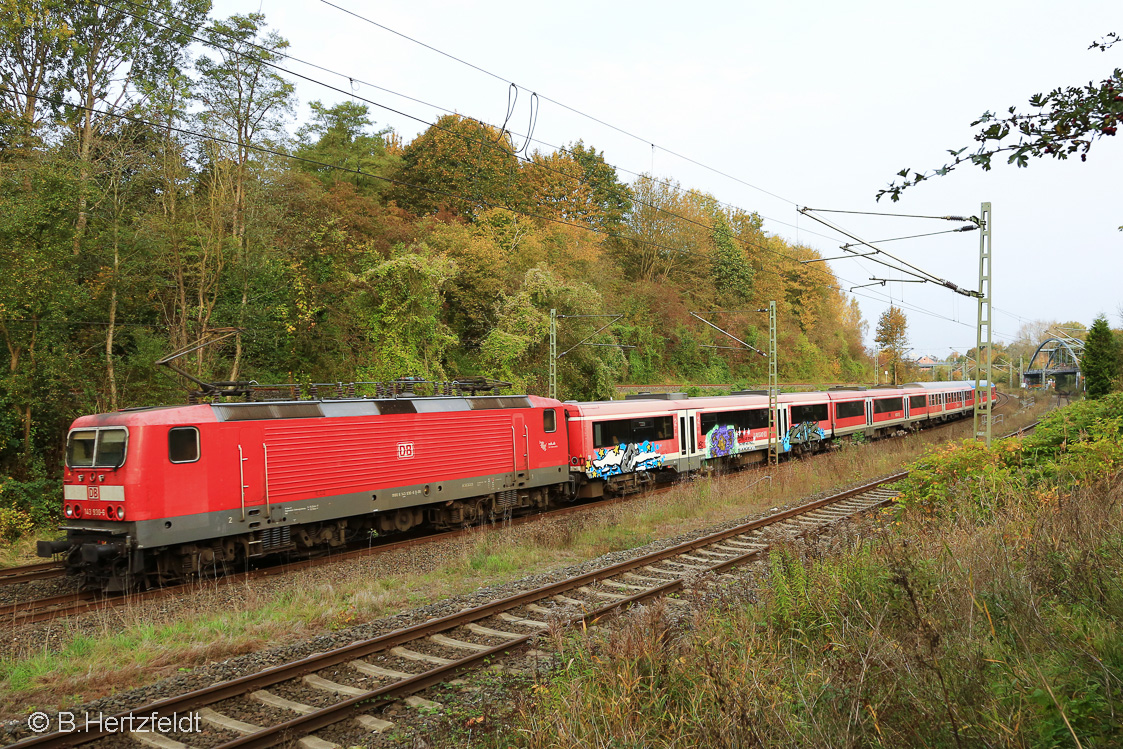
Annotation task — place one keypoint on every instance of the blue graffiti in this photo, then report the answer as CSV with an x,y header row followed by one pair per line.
x,y
806,432
610,461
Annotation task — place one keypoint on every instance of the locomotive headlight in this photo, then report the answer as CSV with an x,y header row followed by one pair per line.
x,y
120,513
67,511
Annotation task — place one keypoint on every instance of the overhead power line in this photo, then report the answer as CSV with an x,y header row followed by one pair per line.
x,y
351,94
352,80
578,112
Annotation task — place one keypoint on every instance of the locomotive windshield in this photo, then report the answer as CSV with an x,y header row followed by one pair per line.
x,y
87,448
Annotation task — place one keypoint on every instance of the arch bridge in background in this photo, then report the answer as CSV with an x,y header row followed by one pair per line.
x,y
1056,356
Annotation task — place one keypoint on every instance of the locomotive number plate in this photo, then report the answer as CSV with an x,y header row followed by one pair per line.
x,y
93,492
405,450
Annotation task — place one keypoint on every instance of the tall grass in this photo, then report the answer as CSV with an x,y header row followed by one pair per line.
x,y
986,612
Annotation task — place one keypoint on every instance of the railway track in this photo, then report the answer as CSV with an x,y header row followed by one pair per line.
x,y
73,603
293,701
29,572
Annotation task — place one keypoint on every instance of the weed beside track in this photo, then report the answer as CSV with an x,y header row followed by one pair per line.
x,y
987,610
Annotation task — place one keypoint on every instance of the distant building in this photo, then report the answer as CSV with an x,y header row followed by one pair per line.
x,y
925,363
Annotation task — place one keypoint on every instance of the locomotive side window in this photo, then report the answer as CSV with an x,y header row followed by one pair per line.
x,y
88,448
817,412
183,444
850,409
549,420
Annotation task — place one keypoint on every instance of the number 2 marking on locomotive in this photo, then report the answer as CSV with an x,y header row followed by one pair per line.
x,y
405,450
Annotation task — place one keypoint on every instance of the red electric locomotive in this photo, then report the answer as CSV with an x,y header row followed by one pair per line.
x,y
159,495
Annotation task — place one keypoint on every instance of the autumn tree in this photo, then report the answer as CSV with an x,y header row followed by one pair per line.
x,y
1060,124
1099,362
611,198
109,52
892,336
460,165
667,236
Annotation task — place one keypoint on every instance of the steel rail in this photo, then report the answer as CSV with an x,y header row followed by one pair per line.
x,y
243,685
71,604
29,572
332,714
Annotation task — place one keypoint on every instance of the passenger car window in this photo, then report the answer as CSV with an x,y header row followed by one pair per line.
x,y
183,444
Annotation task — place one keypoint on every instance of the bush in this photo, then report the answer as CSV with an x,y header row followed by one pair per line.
x,y
14,523
36,497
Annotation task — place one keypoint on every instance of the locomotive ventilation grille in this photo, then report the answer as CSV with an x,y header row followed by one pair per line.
x,y
275,538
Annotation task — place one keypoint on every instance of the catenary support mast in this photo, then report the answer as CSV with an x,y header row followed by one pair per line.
x,y
983,333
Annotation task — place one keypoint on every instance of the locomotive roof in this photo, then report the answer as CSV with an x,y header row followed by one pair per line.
x,y
365,407
262,410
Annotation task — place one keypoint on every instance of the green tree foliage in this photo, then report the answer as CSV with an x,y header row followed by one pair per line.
x,y
1100,360
338,137
400,303
733,276
1061,123
32,49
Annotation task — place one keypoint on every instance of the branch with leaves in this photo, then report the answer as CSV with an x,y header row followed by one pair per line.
x,y
1064,122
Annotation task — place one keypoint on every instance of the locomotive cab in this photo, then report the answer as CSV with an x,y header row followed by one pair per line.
x,y
95,508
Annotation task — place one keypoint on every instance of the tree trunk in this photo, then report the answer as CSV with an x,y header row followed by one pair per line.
x,y
84,174
110,373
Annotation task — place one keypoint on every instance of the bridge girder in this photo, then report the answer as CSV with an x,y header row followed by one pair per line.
x,y
1062,356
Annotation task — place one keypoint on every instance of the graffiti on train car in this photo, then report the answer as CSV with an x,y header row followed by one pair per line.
x,y
610,461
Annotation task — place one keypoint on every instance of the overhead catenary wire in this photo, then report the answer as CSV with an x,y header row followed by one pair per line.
x,y
911,270
351,80
559,104
898,215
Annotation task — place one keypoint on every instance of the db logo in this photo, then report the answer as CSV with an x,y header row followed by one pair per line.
x,y
405,450
93,492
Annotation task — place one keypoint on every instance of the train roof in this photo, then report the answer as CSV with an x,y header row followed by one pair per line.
x,y
949,385
310,409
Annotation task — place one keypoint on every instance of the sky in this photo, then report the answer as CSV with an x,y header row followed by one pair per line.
x,y
771,107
